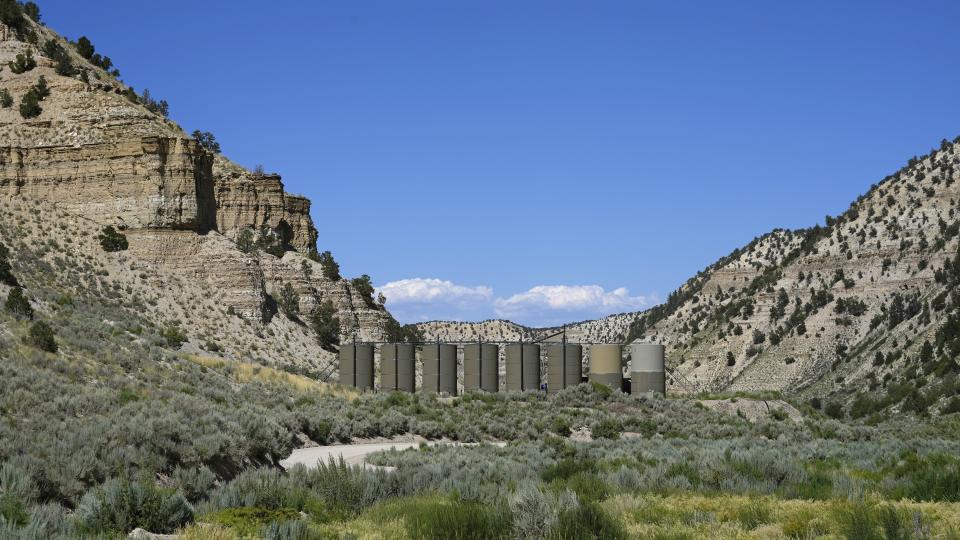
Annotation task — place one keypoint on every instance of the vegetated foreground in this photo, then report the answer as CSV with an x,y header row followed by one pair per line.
x,y
156,366
109,426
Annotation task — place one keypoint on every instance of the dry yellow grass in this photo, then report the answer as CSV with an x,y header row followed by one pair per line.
x,y
204,531
245,372
744,517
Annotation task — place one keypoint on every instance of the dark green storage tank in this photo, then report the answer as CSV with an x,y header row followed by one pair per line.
x,y
481,367
564,366
440,369
356,365
523,367
398,367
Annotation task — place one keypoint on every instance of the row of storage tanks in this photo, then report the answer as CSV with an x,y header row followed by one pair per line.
x,y
481,366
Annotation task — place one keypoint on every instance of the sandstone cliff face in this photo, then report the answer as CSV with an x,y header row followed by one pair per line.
x,y
97,154
249,200
138,183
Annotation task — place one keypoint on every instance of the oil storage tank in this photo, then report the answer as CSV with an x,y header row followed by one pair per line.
x,y
564,366
398,367
481,367
356,365
605,363
523,367
440,369
647,371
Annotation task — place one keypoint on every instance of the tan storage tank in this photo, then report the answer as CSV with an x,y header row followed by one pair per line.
x,y
647,368
523,367
440,369
564,366
398,367
605,362
481,367
356,365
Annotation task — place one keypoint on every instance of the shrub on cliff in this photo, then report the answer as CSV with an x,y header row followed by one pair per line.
x,y
111,240
331,270
6,100
326,324
30,105
364,287
11,14
32,10
6,270
206,140
56,52
42,337
289,301
23,63
18,305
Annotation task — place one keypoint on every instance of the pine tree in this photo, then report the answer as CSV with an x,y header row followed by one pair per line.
x,y
18,305
326,324
331,270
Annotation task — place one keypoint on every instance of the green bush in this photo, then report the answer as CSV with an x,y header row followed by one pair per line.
x,y
119,506
23,63
18,305
112,241
6,100
42,337
459,521
206,140
174,336
326,324
289,302
364,287
331,270
32,10
608,428
11,14
602,390
588,521
249,521
30,105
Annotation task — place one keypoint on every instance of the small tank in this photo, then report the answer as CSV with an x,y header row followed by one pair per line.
x,y
647,368
481,367
523,367
440,369
564,366
605,365
398,367
356,365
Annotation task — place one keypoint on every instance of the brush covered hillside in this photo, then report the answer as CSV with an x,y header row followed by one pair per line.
x,y
221,256
864,311
861,315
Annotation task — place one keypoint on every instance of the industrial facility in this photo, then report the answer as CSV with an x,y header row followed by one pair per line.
x,y
524,363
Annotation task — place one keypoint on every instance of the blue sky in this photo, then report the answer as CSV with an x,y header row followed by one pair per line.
x,y
546,161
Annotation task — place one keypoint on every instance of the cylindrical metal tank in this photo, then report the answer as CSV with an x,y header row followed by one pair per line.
x,y
356,365
398,367
440,369
481,367
564,366
523,367
605,363
647,371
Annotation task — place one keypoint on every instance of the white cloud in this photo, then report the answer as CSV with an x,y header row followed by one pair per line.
x,y
574,300
421,299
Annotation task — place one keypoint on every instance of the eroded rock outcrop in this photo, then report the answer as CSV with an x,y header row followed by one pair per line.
x,y
253,200
150,182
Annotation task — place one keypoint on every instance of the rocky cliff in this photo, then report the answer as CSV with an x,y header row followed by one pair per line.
x,y
99,152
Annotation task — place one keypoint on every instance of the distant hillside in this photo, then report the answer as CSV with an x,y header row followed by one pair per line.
x,y
863,312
